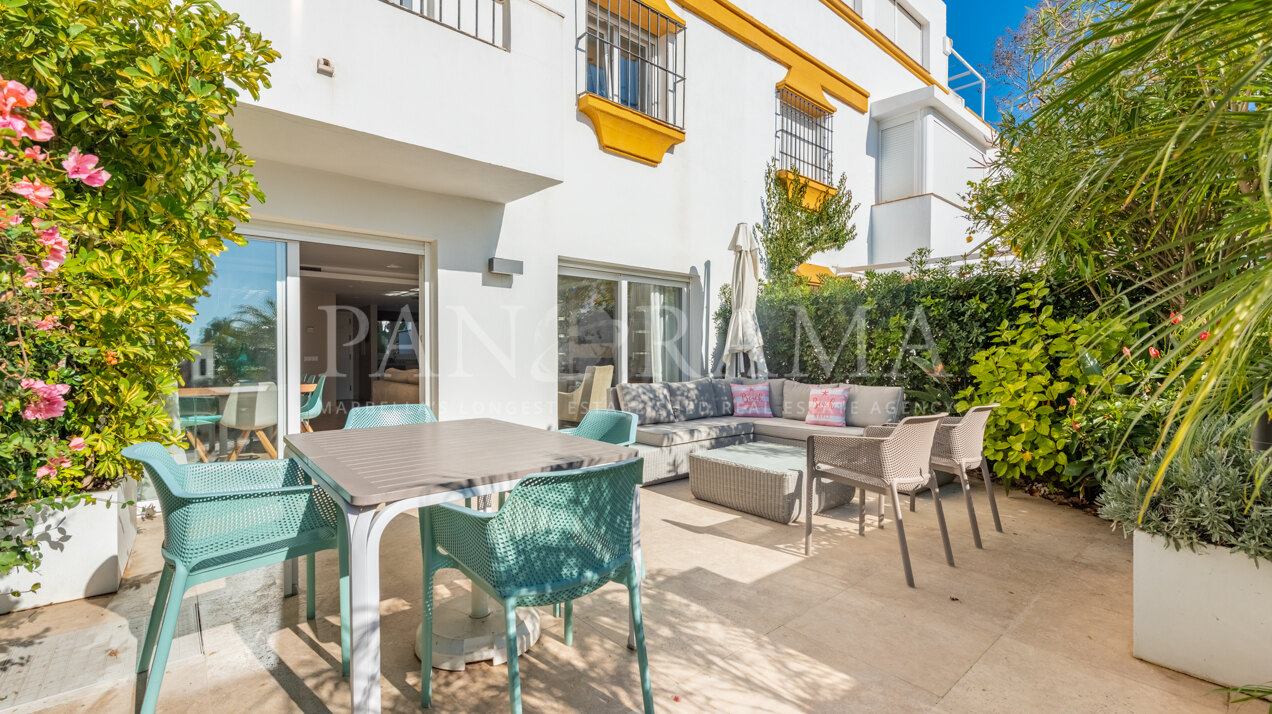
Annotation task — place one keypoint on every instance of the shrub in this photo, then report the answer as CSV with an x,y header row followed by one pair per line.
x,y
1059,417
147,86
919,330
791,233
1206,496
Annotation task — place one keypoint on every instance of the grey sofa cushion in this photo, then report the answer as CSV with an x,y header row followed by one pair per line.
x,y
651,403
724,397
795,430
795,399
683,432
694,400
871,406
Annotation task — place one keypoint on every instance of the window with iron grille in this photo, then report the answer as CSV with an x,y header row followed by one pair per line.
x,y
635,56
804,137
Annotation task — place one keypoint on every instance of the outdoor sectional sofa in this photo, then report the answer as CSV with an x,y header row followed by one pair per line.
x,y
677,419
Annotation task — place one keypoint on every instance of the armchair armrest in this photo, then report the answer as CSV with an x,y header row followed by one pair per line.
x,y
465,536
858,454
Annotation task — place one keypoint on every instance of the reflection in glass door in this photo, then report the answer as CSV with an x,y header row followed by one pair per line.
x,y
614,328
229,406
655,332
587,343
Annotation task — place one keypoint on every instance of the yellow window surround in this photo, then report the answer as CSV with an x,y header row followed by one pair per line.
x,y
638,13
850,16
807,76
814,193
626,132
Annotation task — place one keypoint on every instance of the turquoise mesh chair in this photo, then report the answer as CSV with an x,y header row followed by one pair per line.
x,y
313,402
608,425
559,536
389,415
225,518
195,412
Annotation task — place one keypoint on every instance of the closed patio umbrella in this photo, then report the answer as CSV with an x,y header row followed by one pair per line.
x,y
744,345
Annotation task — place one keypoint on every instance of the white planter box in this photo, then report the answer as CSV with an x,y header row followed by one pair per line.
x,y
1208,613
85,548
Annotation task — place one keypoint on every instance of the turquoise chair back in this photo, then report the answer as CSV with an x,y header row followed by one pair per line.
x,y
389,415
313,401
607,425
558,537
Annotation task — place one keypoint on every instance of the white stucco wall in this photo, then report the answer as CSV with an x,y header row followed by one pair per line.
x,y
496,336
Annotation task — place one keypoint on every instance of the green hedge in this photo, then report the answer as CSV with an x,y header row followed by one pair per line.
x,y
888,323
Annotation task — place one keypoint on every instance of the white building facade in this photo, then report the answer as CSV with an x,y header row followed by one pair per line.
x,y
601,150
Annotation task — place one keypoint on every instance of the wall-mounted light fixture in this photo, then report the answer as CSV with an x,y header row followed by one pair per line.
x,y
503,266
325,68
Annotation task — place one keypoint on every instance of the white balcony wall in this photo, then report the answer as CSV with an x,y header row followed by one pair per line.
x,y
899,228
411,101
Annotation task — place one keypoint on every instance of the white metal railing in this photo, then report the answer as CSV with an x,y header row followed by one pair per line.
x,y
484,20
973,78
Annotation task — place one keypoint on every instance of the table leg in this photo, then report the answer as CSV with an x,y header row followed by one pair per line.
x,y
364,599
480,605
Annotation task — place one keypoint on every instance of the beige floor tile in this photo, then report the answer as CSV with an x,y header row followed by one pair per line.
x,y
737,618
1013,677
931,647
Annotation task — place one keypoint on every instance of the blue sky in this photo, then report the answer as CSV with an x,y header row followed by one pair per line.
x,y
974,25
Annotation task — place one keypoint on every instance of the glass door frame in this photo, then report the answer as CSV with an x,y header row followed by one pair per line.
x,y
623,278
292,236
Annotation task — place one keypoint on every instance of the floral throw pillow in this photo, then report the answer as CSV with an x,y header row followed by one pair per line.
x,y
827,406
752,400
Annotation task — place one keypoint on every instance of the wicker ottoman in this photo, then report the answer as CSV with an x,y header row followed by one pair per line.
x,y
761,478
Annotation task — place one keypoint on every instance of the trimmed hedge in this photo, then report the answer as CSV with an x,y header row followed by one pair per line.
x,y
919,330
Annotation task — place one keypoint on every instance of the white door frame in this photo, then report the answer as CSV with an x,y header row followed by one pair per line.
x,y
293,236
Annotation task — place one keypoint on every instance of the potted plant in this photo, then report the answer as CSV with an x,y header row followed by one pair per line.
x,y
101,258
1203,559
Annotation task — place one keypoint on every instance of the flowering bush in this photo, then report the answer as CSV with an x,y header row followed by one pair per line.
x,y
119,183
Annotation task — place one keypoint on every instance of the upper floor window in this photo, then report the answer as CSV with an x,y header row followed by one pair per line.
x,y
901,26
804,137
635,57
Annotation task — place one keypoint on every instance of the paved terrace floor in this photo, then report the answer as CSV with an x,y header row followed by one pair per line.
x,y
738,620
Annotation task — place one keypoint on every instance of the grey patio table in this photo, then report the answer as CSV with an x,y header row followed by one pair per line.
x,y
377,474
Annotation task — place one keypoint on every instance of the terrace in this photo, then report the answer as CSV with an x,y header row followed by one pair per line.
x,y
738,619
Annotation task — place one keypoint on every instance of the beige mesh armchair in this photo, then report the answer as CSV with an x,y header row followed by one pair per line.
x,y
886,465
591,394
958,448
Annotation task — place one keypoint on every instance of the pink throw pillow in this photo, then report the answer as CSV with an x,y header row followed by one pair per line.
x,y
751,400
827,406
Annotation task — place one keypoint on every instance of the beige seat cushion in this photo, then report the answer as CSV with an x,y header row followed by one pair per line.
x,y
683,432
798,430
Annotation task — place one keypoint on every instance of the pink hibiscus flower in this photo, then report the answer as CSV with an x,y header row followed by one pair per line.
x,y
15,94
49,400
57,246
84,167
48,323
78,444
33,191
38,132
34,153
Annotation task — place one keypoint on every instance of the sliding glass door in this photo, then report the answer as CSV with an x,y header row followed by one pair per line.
x,y
614,328
230,406
655,332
